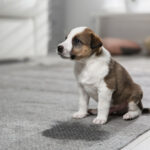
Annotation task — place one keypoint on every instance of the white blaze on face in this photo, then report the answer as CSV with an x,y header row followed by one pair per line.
x,y
67,44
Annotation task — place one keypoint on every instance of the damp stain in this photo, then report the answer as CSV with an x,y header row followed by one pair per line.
x,y
76,131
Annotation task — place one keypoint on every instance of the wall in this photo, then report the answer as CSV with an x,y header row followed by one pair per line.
x,y
67,14
58,19
79,13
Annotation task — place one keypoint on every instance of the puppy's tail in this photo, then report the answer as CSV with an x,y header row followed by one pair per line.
x,y
145,110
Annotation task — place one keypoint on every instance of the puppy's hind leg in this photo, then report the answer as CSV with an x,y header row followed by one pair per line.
x,y
133,111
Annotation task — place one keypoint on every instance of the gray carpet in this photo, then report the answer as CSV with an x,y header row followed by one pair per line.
x,y
38,99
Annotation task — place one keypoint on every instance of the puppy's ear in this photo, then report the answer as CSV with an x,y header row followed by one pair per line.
x,y
95,41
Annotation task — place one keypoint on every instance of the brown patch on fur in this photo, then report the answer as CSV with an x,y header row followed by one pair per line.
x,y
91,44
81,52
140,105
96,42
125,90
98,52
85,37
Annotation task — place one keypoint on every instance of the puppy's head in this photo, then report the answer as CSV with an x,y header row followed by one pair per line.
x,y
80,43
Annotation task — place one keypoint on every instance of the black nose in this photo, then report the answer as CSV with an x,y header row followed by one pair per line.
x,y
60,49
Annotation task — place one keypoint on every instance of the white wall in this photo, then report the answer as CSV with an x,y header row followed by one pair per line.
x,y
67,14
57,18
79,12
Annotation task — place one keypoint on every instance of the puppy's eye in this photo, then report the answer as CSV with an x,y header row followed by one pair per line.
x,y
76,41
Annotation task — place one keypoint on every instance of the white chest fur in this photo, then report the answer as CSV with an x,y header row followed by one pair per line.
x,y
91,72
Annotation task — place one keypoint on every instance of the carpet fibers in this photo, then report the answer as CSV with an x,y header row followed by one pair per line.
x,y
37,101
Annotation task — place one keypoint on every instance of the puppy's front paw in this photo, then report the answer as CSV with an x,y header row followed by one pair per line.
x,y
79,115
127,116
99,120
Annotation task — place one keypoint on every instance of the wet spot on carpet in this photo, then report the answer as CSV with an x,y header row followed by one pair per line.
x,y
76,131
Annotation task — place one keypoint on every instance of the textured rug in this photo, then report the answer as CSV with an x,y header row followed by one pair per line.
x,y
38,99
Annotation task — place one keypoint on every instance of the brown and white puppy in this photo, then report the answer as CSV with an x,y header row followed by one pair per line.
x,y
100,77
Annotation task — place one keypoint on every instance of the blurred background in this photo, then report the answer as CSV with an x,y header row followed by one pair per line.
x,y
38,91
33,28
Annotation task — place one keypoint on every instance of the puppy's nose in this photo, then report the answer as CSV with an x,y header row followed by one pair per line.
x,y
60,49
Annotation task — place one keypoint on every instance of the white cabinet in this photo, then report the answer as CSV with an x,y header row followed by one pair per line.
x,y
24,28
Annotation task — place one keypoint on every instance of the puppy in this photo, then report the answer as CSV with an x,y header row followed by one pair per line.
x,y
100,77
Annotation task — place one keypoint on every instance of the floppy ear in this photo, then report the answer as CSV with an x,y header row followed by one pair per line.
x,y
95,41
